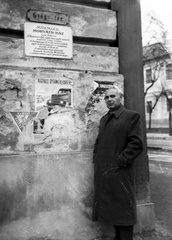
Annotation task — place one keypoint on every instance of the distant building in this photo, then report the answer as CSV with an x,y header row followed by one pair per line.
x,y
158,80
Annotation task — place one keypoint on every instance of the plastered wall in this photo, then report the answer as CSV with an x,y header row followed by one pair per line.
x,y
46,170
64,128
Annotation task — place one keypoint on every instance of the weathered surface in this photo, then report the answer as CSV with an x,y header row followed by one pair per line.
x,y
48,197
85,57
67,129
84,21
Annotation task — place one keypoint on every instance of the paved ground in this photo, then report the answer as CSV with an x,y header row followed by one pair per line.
x,y
160,164
159,141
161,194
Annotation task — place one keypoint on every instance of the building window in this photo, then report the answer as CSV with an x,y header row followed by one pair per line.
x,y
168,106
169,71
148,75
148,106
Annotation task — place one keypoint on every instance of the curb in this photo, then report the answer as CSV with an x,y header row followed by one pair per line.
x,y
158,149
159,136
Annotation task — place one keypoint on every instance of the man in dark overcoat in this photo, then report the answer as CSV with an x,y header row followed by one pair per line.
x,y
117,146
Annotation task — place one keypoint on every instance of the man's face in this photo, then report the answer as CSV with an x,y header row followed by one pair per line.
x,y
112,99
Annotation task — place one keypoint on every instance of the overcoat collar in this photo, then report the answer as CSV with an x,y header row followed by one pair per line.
x,y
117,112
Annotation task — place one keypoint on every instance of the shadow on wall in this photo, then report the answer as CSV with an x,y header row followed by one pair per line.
x,y
12,201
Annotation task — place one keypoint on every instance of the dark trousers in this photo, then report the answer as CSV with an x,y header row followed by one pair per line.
x,y
124,232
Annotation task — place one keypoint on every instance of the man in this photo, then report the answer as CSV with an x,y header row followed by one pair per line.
x,y
117,146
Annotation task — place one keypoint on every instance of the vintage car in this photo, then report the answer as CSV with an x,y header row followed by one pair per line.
x,y
62,98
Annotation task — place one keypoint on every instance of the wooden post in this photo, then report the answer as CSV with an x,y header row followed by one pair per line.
x,y
131,67
170,116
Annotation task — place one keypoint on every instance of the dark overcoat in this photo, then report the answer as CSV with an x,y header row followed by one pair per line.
x,y
117,146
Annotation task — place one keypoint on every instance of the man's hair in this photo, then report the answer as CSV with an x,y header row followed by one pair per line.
x,y
119,91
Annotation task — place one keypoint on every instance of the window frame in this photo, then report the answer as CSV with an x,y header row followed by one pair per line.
x,y
147,106
148,75
168,71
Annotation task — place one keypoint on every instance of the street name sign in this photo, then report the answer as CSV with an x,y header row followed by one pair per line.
x,y
47,17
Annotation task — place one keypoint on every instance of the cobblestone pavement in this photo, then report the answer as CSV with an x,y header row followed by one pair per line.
x,y
160,165
159,234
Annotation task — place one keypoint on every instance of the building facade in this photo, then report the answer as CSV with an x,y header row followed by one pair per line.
x,y
158,85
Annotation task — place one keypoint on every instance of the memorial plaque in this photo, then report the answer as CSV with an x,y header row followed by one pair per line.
x,y
48,40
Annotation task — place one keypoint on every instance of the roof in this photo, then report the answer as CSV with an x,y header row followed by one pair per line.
x,y
154,51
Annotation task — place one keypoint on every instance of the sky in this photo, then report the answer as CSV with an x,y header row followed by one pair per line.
x,y
163,9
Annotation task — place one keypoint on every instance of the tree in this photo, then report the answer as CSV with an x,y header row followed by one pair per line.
x,y
168,94
156,55
153,30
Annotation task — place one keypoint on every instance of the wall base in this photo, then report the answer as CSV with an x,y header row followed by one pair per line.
x,y
145,218
50,197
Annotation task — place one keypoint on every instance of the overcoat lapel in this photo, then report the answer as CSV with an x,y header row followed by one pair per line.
x,y
117,114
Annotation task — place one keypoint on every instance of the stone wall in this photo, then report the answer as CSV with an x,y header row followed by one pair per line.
x,y
48,196
65,129
46,170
